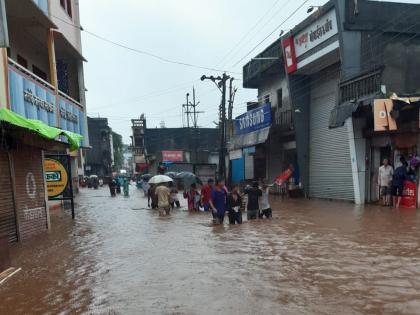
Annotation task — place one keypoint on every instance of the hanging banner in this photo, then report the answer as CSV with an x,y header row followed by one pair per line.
x,y
253,120
289,53
382,115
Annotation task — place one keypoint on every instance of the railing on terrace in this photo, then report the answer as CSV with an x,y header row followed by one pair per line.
x,y
22,70
64,95
283,120
30,74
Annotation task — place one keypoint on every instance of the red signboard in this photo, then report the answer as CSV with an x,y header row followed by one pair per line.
x,y
172,156
409,199
289,55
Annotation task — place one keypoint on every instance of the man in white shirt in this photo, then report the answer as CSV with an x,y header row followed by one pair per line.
x,y
384,182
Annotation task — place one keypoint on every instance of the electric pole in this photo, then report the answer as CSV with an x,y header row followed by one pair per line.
x,y
221,84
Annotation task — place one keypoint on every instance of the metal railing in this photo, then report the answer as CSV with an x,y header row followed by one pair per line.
x,y
283,119
31,75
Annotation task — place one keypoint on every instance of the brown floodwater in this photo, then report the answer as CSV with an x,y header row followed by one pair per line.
x,y
313,257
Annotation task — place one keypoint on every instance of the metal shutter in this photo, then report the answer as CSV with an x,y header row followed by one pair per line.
x,y
249,166
330,172
7,209
30,191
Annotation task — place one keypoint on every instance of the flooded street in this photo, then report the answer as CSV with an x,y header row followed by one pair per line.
x,y
314,257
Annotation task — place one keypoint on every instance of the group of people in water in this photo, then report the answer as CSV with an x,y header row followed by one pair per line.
x,y
214,197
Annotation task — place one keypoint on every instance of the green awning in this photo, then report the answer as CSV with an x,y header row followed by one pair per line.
x,y
40,128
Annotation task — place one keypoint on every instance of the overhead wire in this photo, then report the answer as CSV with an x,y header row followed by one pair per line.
x,y
271,33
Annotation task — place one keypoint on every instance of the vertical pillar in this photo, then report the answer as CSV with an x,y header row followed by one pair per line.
x,y
355,159
4,79
52,59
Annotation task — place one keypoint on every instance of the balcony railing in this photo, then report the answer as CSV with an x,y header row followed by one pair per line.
x,y
283,120
30,74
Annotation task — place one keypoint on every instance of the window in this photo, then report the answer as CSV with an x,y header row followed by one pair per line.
x,y
38,72
66,5
22,61
279,98
267,99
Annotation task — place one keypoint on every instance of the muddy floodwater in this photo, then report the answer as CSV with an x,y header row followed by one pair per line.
x,y
313,257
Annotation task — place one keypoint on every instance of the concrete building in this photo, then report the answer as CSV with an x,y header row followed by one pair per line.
x,y
41,77
336,63
100,158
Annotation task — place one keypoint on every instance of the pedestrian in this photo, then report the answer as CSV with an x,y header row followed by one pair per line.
x,y
233,205
218,202
163,194
398,178
206,194
145,187
152,197
254,193
384,182
265,208
112,185
191,196
126,187
174,200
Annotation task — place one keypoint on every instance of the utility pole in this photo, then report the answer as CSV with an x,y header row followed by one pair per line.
x,y
232,93
186,110
221,84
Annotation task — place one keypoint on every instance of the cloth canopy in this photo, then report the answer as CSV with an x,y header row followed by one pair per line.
x,y
40,128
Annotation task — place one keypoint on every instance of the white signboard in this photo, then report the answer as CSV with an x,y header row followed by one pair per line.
x,y
316,33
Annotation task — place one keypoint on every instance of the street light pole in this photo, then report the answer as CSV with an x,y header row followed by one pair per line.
x,y
221,84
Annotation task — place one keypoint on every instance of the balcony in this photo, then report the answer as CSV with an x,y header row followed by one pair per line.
x,y
35,98
258,69
283,120
30,13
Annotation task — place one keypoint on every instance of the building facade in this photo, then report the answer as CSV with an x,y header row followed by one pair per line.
x,y
41,78
100,158
336,63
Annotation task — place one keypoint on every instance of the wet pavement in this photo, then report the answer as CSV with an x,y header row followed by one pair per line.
x,y
313,257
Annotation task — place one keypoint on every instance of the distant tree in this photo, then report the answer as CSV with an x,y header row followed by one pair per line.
x,y
118,150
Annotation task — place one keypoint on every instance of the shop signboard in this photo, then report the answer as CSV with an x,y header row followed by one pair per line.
x,y
173,156
382,115
37,100
56,177
315,34
253,120
57,173
289,54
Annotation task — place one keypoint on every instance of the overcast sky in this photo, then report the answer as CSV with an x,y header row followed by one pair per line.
x,y
123,84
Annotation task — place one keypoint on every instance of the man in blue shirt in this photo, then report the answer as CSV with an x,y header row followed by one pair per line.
x,y
218,202
400,175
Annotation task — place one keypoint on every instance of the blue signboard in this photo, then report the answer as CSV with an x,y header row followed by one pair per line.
x,y
33,100
253,120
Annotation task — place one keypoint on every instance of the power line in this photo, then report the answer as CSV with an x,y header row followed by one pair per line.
x,y
143,52
249,31
271,33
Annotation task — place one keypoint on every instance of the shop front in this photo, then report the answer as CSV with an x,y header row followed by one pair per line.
x,y
247,151
22,145
395,136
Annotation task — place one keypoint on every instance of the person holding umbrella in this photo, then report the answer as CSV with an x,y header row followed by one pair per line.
x,y
163,194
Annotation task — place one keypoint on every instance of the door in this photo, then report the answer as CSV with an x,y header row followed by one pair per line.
x,y
330,171
7,208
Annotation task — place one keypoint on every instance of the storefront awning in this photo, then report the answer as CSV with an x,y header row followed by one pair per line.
x,y
40,128
250,139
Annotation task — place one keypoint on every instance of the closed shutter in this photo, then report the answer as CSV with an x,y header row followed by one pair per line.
x,y
249,166
30,191
330,172
7,209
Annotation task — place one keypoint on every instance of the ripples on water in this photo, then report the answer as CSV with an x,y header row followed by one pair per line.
x,y
314,257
